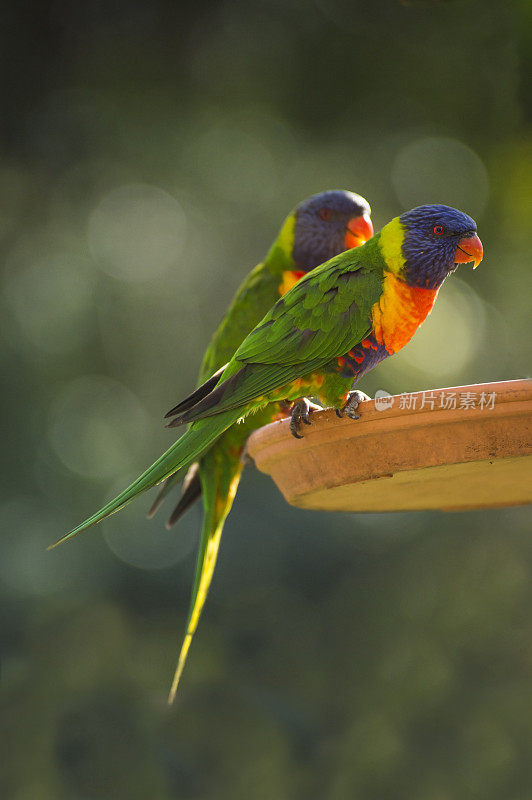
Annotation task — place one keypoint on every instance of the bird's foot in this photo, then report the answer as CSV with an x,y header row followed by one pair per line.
x,y
300,412
351,405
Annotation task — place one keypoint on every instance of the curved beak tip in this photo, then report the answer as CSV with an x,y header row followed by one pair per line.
x,y
469,249
359,230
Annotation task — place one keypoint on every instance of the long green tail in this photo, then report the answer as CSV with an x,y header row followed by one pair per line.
x,y
220,477
197,438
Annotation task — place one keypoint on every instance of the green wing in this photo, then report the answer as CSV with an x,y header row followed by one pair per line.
x,y
255,296
320,318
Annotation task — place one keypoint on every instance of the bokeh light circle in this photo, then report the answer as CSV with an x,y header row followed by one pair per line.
x,y
97,427
51,299
440,170
147,543
449,339
137,232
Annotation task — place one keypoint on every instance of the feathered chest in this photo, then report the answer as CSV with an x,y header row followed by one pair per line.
x,y
399,312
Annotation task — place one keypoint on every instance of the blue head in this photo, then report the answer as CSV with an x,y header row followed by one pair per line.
x,y
436,239
327,224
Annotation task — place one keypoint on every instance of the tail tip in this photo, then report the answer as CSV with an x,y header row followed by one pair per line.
x,y
57,543
170,699
154,508
173,692
174,423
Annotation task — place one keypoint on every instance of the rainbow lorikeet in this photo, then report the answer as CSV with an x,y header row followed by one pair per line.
x,y
334,325
317,229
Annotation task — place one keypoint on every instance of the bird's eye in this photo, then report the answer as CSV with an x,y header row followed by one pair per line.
x,y
325,213
439,230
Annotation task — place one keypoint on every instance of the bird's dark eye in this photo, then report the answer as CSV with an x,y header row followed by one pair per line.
x,y
439,230
325,213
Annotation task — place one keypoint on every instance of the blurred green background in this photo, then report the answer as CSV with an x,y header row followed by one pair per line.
x,y
150,151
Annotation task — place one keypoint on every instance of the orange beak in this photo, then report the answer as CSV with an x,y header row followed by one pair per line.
x,y
469,249
359,230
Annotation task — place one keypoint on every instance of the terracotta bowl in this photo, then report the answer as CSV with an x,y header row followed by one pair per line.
x,y
456,448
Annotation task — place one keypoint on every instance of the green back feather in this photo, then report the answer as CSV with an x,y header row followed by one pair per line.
x,y
321,318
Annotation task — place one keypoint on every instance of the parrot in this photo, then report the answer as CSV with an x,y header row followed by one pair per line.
x,y
333,326
318,228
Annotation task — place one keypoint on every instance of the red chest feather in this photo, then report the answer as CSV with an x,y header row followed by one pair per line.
x,y
399,312
290,278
